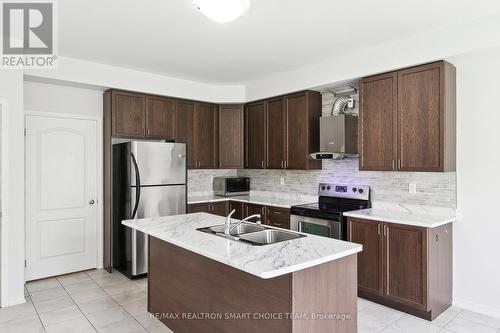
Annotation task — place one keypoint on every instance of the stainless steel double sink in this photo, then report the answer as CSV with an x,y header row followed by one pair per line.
x,y
253,233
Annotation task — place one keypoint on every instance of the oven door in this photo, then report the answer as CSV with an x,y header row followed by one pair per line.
x,y
331,228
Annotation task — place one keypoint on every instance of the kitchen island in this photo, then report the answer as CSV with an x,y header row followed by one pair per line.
x,y
200,282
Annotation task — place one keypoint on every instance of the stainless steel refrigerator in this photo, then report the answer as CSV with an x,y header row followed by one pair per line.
x,y
149,180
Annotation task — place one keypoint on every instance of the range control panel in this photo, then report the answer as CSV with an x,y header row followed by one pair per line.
x,y
361,192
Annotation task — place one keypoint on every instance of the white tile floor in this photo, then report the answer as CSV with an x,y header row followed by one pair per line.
x,y
100,302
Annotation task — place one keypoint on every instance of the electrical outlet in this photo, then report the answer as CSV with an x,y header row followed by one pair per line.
x,y
412,187
282,180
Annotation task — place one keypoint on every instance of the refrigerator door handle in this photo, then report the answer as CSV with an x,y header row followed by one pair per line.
x,y
138,186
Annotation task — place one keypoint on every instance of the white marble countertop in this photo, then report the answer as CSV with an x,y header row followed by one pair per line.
x,y
425,219
266,261
256,199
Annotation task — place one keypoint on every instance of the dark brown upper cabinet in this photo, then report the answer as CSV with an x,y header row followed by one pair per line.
x,y
282,131
185,129
160,118
140,116
408,119
231,130
206,136
197,126
255,135
276,133
378,122
128,115
302,111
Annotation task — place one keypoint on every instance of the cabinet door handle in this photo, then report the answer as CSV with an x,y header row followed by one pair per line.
x,y
282,164
378,229
262,164
385,230
393,164
148,131
399,164
286,164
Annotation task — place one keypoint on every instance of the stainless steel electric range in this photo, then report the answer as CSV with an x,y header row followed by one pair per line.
x,y
325,217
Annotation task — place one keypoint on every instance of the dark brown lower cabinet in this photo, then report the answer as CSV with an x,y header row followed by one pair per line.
x,y
278,217
405,267
239,208
270,215
251,209
216,208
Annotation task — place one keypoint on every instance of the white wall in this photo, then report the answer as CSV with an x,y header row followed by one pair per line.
x,y
476,239
44,97
11,92
91,73
425,47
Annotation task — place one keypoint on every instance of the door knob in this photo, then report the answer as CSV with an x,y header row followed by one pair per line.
x,y
91,202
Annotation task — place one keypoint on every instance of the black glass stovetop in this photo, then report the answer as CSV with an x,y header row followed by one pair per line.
x,y
329,206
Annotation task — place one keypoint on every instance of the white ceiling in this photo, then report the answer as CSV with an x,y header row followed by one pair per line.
x,y
171,37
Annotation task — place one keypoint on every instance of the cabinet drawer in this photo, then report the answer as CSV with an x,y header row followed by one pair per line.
x,y
278,217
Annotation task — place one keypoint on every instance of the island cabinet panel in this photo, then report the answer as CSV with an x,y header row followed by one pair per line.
x,y
405,267
239,208
231,143
408,119
278,217
128,115
183,282
255,136
160,118
370,261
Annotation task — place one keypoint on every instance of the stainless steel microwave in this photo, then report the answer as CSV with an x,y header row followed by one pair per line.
x,y
229,186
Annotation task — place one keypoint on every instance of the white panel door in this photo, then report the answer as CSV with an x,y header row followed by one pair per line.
x,y
61,195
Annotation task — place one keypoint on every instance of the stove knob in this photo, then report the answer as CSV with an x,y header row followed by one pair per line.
x,y
322,188
360,191
354,189
328,187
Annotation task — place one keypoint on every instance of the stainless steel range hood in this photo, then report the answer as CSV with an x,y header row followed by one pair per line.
x,y
338,137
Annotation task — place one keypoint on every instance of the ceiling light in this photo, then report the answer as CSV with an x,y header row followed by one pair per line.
x,y
223,11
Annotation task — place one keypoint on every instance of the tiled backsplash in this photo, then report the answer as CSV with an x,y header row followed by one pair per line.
x,y
433,189
201,180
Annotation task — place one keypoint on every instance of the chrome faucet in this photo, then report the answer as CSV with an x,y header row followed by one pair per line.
x,y
228,227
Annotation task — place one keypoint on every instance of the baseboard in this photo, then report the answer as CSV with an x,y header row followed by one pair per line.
x,y
476,307
16,300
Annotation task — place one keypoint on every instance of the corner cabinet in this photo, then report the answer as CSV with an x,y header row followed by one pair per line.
x,y
405,267
408,119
